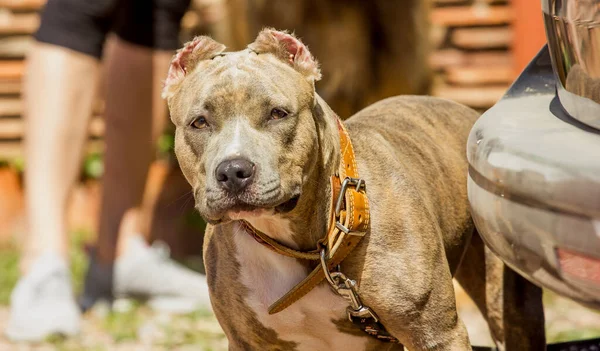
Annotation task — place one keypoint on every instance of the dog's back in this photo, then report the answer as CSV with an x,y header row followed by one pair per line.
x,y
414,151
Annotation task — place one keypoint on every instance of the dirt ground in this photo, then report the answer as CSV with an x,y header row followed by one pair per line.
x,y
131,328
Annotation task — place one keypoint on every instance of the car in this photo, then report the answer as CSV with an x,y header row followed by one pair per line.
x,y
534,160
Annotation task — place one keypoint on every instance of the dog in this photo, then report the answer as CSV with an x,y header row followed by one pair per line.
x,y
265,156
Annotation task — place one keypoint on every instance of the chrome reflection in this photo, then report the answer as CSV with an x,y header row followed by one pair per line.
x,y
573,31
534,182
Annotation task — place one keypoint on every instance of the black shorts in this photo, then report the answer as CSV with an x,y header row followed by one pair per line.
x,y
82,25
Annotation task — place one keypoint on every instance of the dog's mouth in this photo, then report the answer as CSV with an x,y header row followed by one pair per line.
x,y
288,205
245,210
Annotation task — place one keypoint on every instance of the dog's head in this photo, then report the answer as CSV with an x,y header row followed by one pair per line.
x,y
245,135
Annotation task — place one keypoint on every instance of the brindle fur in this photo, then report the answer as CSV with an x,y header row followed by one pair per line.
x,y
411,152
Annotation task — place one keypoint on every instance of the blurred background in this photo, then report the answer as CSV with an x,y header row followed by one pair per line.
x,y
464,50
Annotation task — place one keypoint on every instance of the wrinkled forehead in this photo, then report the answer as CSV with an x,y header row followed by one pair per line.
x,y
241,80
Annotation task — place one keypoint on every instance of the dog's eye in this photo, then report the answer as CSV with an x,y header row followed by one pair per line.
x,y
278,113
200,123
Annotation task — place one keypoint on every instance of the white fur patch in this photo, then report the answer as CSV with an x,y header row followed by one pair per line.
x,y
268,276
235,146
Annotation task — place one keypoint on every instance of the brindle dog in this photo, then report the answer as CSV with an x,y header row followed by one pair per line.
x,y
257,143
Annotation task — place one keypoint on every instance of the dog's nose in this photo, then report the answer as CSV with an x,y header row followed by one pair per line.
x,y
235,175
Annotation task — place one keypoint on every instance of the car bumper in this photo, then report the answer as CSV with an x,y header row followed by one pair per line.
x,y
534,186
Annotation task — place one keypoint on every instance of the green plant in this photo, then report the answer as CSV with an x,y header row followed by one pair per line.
x,y
9,272
93,166
9,266
79,260
16,163
123,325
166,143
194,220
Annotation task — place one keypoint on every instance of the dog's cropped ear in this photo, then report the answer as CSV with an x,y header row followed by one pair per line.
x,y
184,61
289,49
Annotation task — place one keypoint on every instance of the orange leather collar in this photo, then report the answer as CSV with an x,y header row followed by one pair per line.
x,y
349,222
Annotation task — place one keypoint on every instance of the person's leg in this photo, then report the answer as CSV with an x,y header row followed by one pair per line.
x,y
139,221
128,136
127,156
58,105
60,85
135,76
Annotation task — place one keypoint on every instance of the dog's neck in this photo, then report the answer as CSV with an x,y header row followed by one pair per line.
x,y
302,228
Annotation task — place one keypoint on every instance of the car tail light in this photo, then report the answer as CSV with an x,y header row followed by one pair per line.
x,y
579,265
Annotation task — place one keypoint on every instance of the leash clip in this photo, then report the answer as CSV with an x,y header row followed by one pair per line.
x,y
346,288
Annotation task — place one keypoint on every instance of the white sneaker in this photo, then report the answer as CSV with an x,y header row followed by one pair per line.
x,y
42,303
147,271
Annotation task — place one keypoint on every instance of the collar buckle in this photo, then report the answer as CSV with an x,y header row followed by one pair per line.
x,y
357,183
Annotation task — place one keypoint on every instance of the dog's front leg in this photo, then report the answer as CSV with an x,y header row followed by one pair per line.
x,y
417,305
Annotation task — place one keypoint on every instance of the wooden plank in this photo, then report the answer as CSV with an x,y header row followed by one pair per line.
x,y
13,106
18,23
14,149
22,5
10,86
14,128
463,16
477,97
11,69
97,127
463,2
437,36
442,59
15,46
481,75
10,107
11,128
482,38
488,58
450,2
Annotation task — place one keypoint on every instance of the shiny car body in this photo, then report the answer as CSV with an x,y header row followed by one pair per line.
x,y
534,160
